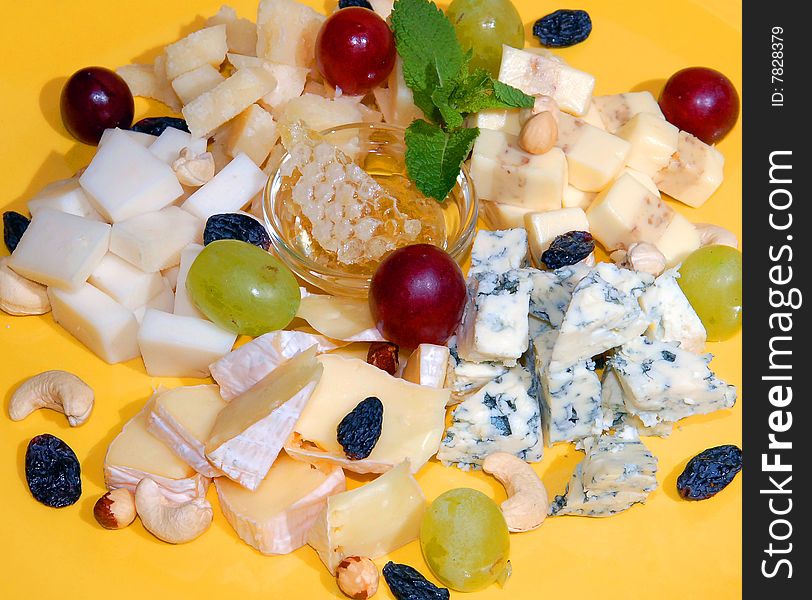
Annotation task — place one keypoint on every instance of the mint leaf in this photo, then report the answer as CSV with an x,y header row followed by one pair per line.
x,y
441,97
434,156
428,46
512,97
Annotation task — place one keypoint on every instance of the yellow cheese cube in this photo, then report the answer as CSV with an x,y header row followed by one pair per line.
x,y
290,80
203,47
145,82
507,121
653,140
678,240
694,173
241,34
286,32
544,227
253,132
198,81
644,179
594,156
617,109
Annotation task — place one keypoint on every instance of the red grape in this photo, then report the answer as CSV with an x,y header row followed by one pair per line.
x,y
702,102
417,296
355,50
95,99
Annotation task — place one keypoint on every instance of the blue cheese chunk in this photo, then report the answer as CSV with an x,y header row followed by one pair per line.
x,y
552,292
495,324
498,251
670,314
662,383
617,472
500,417
613,407
465,377
604,313
570,395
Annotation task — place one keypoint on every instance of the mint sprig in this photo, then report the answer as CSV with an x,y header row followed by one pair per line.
x,y
436,69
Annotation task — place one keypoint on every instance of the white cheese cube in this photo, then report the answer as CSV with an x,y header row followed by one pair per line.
x,y
154,241
694,173
404,110
183,304
593,117
142,139
671,316
575,198
208,111
653,140
253,132
427,365
536,74
382,7
503,216
626,212
241,34
678,240
594,156
59,249
177,346
198,81
125,179
618,109
286,32
96,320
503,172
646,180
65,196
124,283
169,144
163,301
170,275
229,190
506,121
497,252
544,227
206,46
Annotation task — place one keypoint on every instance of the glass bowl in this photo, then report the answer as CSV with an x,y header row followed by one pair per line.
x,y
380,150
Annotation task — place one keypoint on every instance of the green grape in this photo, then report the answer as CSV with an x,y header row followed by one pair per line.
x,y
485,25
242,288
711,278
465,540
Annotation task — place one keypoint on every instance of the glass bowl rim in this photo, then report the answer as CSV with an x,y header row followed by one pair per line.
x,y
468,220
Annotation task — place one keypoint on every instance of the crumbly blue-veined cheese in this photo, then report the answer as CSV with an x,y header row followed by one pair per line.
x,y
464,377
671,316
498,251
552,292
570,395
613,405
661,382
617,471
604,313
500,417
495,325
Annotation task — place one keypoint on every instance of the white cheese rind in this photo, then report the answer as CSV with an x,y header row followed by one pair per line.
x,y
427,365
671,316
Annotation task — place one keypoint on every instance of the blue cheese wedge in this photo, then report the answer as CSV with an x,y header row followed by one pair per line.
x,y
617,472
464,377
671,316
615,416
664,383
500,417
570,395
604,313
552,292
498,251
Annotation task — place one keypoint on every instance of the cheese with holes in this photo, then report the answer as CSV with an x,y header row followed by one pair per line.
x,y
253,133
618,109
594,156
250,431
286,32
206,46
135,453
371,520
182,418
340,318
67,196
653,141
60,250
276,517
124,283
693,173
427,365
229,190
544,227
413,417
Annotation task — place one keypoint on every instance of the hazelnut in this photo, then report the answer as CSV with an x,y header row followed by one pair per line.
x,y
116,509
384,355
539,134
357,577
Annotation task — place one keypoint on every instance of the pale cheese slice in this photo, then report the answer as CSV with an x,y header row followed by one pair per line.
x,y
182,418
276,517
413,417
371,520
251,430
345,319
427,365
135,453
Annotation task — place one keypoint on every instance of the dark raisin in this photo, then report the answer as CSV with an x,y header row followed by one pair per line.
x,y
406,583
709,472
563,28
14,226
383,355
568,248
359,431
157,125
234,226
52,471
351,3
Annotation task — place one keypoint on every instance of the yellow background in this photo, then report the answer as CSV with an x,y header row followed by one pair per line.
x,y
668,548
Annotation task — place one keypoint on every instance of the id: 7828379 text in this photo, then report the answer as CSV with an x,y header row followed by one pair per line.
x,y
777,65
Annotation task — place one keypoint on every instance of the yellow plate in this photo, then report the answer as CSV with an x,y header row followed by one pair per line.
x,y
668,548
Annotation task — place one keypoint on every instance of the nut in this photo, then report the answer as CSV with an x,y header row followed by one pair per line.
x,y
194,170
357,577
526,506
383,355
58,390
710,235
20,296
539,134
172,522
116,509
642,257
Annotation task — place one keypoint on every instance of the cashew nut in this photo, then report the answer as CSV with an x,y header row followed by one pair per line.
x,y
640,256
58,390
20,296
710,234
194,170
173,522
526,506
